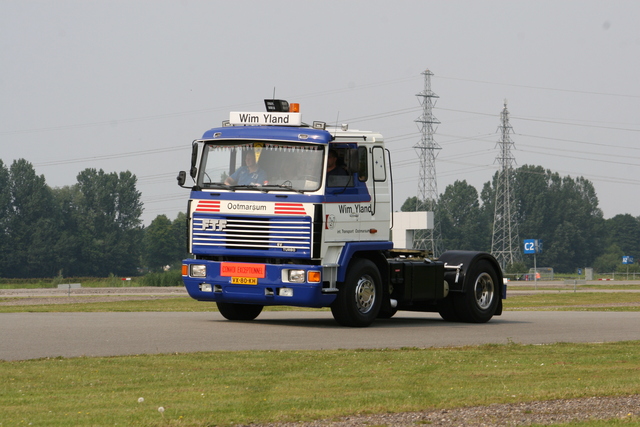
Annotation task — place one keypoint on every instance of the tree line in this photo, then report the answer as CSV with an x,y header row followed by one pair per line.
x,y
561,211
91,228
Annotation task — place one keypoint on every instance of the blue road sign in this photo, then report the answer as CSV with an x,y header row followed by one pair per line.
x,y
532,246
627,259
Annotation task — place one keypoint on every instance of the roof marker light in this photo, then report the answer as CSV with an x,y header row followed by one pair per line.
x,y
276,105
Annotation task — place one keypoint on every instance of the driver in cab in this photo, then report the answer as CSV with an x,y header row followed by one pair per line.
x,y
332,165
249,174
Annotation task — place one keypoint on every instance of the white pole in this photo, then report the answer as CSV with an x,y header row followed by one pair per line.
x,y
535,272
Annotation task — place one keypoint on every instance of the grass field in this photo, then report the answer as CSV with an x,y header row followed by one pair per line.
x,y
224,388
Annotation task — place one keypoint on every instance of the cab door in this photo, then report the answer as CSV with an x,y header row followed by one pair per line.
x,y
374,217
347,196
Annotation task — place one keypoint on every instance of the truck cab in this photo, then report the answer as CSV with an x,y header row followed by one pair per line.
x,y
286,213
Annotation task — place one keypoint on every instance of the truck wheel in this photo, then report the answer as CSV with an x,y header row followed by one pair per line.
x,y
387,314
480,300
239,311
359,299
447,309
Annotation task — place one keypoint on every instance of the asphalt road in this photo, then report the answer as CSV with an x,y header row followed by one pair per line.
x,y
38,335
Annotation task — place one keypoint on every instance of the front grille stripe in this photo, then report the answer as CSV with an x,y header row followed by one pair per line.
x,y
257,233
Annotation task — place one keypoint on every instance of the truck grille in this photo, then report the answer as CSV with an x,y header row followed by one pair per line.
x,y
227,235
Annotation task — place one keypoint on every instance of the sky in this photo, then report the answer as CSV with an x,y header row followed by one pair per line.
x,y
128,85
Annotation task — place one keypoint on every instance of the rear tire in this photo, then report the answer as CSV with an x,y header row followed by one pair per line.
x,y
232,311
480,300
447,309
360,296
387,314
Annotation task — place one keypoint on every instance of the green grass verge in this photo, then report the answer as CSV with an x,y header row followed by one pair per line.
x,y
598,301
221,388
100,304
163,304
91,282
583,301
167,278
571,288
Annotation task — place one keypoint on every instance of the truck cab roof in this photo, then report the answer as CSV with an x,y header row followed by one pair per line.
x,y
280,133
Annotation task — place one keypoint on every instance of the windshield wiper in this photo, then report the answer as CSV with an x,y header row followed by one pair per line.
x,y
218,185
251,186
283,187
262,188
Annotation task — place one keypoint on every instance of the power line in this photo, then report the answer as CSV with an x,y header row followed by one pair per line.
x,y
601,144
582,158
622,95
165,116
388,114
474,167
542,120
156,199
119,121
576,124
111,156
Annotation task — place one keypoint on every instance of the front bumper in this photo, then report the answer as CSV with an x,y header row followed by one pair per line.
x,y
272,289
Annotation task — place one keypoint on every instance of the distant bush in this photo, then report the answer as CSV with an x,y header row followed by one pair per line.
x,y
166,278
86,282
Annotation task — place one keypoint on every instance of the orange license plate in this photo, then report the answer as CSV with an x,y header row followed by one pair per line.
x,y
243,270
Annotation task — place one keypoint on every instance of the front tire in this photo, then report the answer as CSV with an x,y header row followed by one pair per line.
x,y
232,311
480,301
360,296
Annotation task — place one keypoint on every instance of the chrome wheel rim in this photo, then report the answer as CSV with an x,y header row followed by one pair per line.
x,y
365,294
484,290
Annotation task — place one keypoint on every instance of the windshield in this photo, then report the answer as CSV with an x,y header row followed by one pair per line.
x,y
287,166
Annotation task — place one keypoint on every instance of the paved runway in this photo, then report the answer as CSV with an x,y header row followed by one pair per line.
x,y
38,335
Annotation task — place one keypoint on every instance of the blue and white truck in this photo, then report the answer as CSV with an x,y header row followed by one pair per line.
x,y
286,213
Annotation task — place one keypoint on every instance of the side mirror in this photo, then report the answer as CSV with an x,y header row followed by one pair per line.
x,y
182,176
194,157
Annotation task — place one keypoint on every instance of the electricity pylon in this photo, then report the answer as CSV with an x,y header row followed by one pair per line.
x,y
505,243
427,149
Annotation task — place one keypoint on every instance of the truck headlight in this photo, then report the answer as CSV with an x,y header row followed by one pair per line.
x,y
198,270
296,276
